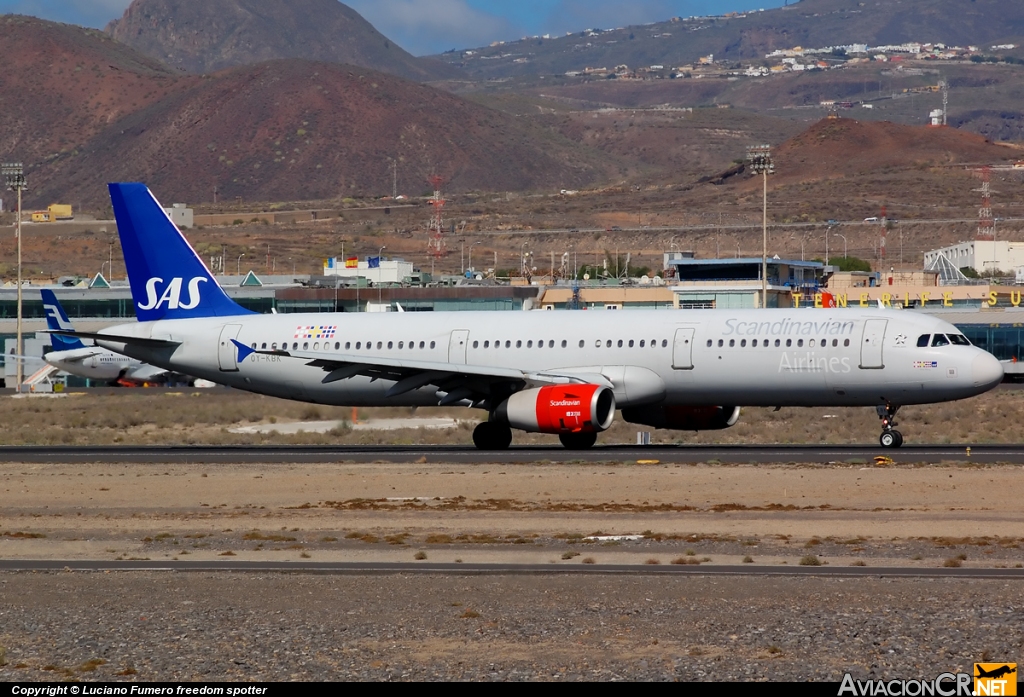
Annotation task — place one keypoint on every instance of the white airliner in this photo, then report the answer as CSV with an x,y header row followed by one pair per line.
x,y
92,362
563,373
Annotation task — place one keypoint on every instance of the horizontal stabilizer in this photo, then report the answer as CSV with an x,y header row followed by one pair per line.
x,y
131,340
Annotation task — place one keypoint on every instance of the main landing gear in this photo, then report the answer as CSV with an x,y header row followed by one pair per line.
x,y
578,441
492,435
890,438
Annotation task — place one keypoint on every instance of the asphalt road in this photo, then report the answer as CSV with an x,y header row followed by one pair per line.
x,y
666,454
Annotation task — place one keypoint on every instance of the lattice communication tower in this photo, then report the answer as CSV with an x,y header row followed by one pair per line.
x,y
435,228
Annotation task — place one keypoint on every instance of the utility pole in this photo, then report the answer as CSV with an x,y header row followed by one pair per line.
x,y
14,177
760,157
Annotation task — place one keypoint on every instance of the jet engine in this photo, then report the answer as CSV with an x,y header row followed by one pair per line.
x,y
683,418
583,408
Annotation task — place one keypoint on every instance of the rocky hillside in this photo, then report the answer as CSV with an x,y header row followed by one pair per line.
x,y
203,37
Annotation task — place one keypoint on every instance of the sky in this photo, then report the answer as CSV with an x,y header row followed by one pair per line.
x,y
424,27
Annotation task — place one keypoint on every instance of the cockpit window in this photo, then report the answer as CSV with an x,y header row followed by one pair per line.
x,y
940,340
923,340
959,339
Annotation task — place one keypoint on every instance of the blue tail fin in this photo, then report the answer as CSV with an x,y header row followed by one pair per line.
x,y
168,279
57,320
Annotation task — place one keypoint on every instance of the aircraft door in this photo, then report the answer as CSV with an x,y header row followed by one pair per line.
x,y
871,344
682,349
457,346
227,352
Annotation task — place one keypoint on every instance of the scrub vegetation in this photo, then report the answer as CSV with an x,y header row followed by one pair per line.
x,y
163,417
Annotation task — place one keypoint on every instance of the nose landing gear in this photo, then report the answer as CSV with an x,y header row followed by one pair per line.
x,y
890,438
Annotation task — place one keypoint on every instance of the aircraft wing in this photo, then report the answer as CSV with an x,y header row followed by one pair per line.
x,y
474,383
146,373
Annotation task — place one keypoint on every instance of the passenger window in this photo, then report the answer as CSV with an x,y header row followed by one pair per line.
x,y
811,343
421,344
631,343
380,345
431,344
581,343
754,343
778,343
608,343
743,343
359,345
923,340
642,343
529,344
508,344
519,343
274,346
721,343
564,343
799,343
789,342
487,344
401,344
389,344
348,345
305,345
835,342
664,343
316,346
620,343
732,342
846,342
253,347
710,342
940,340
551,343
476,344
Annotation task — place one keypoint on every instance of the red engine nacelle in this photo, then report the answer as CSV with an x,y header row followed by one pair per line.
x,y
560,409
683,418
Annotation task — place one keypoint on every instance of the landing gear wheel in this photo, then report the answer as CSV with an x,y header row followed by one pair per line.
x,y
891,439
578,441
491,435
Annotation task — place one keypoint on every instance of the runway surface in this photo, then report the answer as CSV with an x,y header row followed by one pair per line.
x,y
667,454
504,569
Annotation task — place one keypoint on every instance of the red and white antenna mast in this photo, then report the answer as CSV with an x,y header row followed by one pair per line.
x,y
435,240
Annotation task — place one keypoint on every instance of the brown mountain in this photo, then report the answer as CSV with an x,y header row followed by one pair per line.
x,y
61,85
846,147
295,129
203,37
750,35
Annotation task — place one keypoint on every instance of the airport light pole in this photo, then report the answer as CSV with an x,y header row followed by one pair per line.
x,y
380,257
238,265
471,257
844,244
760,158
14,177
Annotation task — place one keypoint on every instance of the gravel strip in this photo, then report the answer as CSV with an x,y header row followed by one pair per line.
x,y
198,626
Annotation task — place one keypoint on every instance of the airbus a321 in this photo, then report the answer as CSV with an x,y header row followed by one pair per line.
x,y
563,373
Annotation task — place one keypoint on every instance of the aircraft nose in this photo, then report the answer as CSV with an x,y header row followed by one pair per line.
x,y
987,371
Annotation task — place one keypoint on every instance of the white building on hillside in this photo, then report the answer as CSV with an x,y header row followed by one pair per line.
x,y
984,256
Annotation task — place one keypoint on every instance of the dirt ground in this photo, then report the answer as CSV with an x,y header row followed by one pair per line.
x,y
540,513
